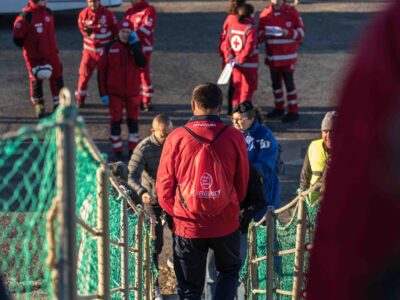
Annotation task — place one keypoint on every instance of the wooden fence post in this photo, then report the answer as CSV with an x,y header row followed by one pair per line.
x,y
66,190
103,241
253,266
270,254
124,251
299,254
139,257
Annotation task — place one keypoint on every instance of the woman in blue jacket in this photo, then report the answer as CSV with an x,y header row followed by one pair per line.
x,y
262,149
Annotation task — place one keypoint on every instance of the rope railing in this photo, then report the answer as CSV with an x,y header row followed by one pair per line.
x,y
270,257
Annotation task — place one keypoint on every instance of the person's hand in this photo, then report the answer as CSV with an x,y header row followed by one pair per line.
x,y
232,62
285,32
146,198
105,99
133,38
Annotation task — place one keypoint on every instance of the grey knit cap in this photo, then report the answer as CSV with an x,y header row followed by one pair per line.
x,y
329,120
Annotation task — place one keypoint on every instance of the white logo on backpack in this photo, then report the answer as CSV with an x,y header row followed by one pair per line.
x,y
206,180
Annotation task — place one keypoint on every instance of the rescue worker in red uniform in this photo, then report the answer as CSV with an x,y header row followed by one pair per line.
x,y
231,17
119,84
241,51
281,28
143,17
34,33
98,27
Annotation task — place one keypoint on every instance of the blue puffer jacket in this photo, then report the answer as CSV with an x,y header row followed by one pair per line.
x,y
262,149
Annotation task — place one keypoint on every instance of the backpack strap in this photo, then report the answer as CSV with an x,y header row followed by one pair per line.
x,y
196,137
219,133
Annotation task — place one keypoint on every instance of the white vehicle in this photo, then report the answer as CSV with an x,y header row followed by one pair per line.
x,y
15,6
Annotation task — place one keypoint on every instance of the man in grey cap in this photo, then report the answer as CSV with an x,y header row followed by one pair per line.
x,y
318,157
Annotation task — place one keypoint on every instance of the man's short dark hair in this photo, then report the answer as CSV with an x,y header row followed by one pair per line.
x,y
207,96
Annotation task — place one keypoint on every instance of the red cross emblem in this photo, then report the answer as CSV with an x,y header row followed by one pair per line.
x,y
236,43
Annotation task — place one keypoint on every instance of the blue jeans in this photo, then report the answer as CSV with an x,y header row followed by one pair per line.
x,y
212,274
190,260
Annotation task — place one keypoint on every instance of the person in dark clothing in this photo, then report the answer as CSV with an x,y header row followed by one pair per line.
x,y
143,166
251,205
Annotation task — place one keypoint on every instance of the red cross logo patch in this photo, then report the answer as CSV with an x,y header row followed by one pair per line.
x,y
236,43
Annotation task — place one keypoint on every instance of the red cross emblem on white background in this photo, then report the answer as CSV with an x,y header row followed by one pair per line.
x,y
236,43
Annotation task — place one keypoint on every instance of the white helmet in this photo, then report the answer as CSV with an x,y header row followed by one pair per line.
x,y
42,71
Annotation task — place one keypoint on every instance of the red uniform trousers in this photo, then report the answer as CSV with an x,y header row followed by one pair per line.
x,y
244,84
285,74
146,87
88,64
56,81
115,108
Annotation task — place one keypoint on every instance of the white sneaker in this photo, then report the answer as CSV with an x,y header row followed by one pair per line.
x,y
157,294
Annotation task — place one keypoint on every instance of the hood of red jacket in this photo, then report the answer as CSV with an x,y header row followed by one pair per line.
x,y
248,20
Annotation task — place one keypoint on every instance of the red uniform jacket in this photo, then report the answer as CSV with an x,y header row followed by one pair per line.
x,y
227,23
356,252
143,16
177,151
241,43
281,50
34,32
118,73
98,28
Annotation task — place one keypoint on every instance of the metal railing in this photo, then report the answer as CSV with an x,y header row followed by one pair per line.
x,y
64,268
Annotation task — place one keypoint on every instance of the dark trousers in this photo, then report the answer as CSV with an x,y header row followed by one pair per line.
x,y
156,212
190,257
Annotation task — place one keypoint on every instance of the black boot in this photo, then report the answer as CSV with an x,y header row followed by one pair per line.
x,y
275,114
290,117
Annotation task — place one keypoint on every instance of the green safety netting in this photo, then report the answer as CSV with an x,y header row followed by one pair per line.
x,y
28,168
285,239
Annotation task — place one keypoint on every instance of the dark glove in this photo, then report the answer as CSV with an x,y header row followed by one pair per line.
x,y
88,31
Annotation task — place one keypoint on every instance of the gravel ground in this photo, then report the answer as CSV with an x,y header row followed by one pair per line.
x,y
186,42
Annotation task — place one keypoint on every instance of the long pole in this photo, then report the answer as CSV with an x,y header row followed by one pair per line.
x,y
66,189
103,240
299,255
270,254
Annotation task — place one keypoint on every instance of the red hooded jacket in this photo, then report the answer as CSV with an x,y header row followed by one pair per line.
x,y
118,69
143,16
241,43
34,32
177,153
281,50
98,27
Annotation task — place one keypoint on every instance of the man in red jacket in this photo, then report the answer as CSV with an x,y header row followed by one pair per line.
x,y
98,27
118,76
34,33
281,28
196,228
143,17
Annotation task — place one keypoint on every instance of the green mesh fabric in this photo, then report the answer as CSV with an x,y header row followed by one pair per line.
x,y
285,239
28,164
27,187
